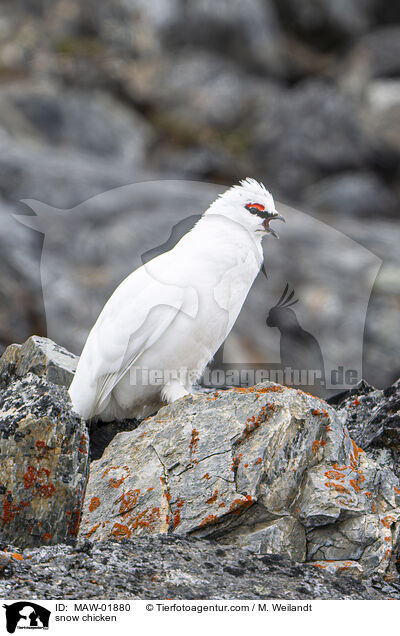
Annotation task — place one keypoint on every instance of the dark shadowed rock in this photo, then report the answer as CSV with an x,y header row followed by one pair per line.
x,y
174,568
373,419
325,23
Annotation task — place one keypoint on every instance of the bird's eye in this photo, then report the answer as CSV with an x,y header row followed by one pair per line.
x,y
255,208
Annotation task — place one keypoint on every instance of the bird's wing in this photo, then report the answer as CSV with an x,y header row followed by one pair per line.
x,y
134,318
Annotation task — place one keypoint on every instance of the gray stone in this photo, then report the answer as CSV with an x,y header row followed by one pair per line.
x,y
382,49
352,568
247,30
284,536
97,125
311,130
154,567
40,356
373,419
352,194
44,463
323,22
267,467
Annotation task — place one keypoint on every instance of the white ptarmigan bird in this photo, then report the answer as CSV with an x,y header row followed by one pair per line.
x,y
166,320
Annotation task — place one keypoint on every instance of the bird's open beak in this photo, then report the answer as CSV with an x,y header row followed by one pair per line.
x,y
273,217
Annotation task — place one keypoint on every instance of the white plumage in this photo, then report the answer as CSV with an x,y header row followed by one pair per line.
x,y
171,315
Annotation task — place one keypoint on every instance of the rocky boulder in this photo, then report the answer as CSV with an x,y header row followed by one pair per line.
x,y
373,419
269,468
43,446
40,356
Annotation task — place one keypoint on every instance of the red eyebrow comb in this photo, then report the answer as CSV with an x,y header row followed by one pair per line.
x,y
258,206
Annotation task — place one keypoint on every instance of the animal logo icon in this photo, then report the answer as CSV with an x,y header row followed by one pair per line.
x,y
26,615
299,349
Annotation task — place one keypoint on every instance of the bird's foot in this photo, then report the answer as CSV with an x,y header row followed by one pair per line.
x,y
173,391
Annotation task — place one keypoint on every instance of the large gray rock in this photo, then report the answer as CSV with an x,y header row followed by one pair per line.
x,y
96,125
267,467
247,30
355,194
310,131
175,568
44,463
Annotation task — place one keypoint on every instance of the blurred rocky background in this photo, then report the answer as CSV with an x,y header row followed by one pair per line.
x,y
302,95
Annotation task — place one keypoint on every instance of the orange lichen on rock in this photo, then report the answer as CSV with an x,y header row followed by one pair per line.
x,y
37,480
334,474
146,519
315,446
388,520
194,440
17,556
43,450
208,520
107,470
211,398
253,389
337,487
117,482
320,413
258,461
47,537
271,389
253,422
355,483
238,505
83,444
236,461
337,467
94,503
213,497
10,510
120,531
74,520
128,500
355,455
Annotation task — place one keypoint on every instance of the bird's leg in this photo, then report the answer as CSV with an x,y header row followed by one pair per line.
x,y
173,391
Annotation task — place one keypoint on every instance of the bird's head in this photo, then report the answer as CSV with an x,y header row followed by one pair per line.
x,y
281,315
249,204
